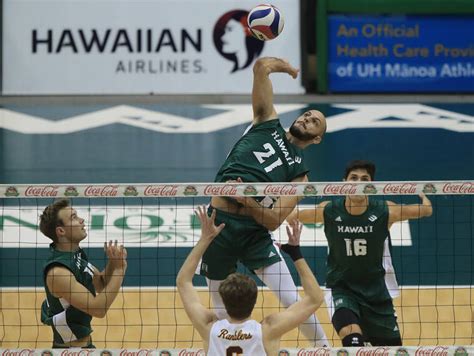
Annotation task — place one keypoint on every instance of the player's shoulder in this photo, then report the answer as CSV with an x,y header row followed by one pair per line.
x,y
266,124
324,204
57,270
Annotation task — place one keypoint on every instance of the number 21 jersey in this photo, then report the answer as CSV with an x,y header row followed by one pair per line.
x,y
263,154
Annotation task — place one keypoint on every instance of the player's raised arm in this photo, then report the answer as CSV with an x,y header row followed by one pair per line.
x,y
280,323
262,93
274,217
399,212
200,316
309,216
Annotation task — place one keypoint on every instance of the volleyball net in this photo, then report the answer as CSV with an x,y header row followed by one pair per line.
x,y
432,261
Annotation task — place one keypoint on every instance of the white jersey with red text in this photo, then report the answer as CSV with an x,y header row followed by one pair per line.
x,y
227,339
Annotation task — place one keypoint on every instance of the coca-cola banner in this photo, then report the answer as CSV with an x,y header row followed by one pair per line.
x,y
322,351
139,46
309,189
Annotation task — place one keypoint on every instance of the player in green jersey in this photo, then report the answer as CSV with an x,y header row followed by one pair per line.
x,y
265,153
75,290
357,229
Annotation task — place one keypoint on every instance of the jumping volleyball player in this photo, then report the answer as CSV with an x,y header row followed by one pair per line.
x,y
266,153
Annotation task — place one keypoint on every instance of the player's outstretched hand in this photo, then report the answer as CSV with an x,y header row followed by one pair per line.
x,y
209,230
117,255
294,232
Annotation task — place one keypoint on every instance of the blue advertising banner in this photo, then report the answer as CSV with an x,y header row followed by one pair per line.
x,y
401,53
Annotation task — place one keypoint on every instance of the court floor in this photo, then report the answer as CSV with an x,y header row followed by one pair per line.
x,y
155,318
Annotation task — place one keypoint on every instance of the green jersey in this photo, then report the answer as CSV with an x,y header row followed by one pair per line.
x,y
263,154
68,323
356,246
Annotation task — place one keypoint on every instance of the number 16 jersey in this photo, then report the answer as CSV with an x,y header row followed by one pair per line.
x,y
356,248
263,154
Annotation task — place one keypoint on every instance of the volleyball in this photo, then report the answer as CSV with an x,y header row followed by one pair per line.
x,y
265,22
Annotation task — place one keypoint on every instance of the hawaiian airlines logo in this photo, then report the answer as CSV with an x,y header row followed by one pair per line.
x,y
234,41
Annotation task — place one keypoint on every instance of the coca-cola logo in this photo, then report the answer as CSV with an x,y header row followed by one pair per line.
x,y
399,188
22,352
82,352
340,189
141,352
42,191
432,351
220,190
101,191
323,351
166,190
373,351
288,189
458,188
186,352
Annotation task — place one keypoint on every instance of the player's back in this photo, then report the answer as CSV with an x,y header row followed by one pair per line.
x,y
236,339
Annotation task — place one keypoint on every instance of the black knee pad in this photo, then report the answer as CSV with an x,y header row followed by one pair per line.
x,y
343,317
354,339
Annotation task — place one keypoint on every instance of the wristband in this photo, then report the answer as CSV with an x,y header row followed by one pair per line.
x,y
293,251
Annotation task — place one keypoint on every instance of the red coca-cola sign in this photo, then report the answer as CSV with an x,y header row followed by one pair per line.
x,y
286,189
459,188
82,352
399,188
141,352
321,351
432,351
220,190
42,191
186,352
340,189
101,191
166,190
373,351
21,352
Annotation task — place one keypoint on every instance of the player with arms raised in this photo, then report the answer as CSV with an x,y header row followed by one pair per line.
x,y
265,153
238,333
358,230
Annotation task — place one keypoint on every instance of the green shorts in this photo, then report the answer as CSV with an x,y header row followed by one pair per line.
x,y
242,239
376,319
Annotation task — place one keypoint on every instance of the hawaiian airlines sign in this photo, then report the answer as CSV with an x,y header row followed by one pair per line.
x,y
139,47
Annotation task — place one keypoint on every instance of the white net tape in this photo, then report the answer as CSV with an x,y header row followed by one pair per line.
x,y
234,189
